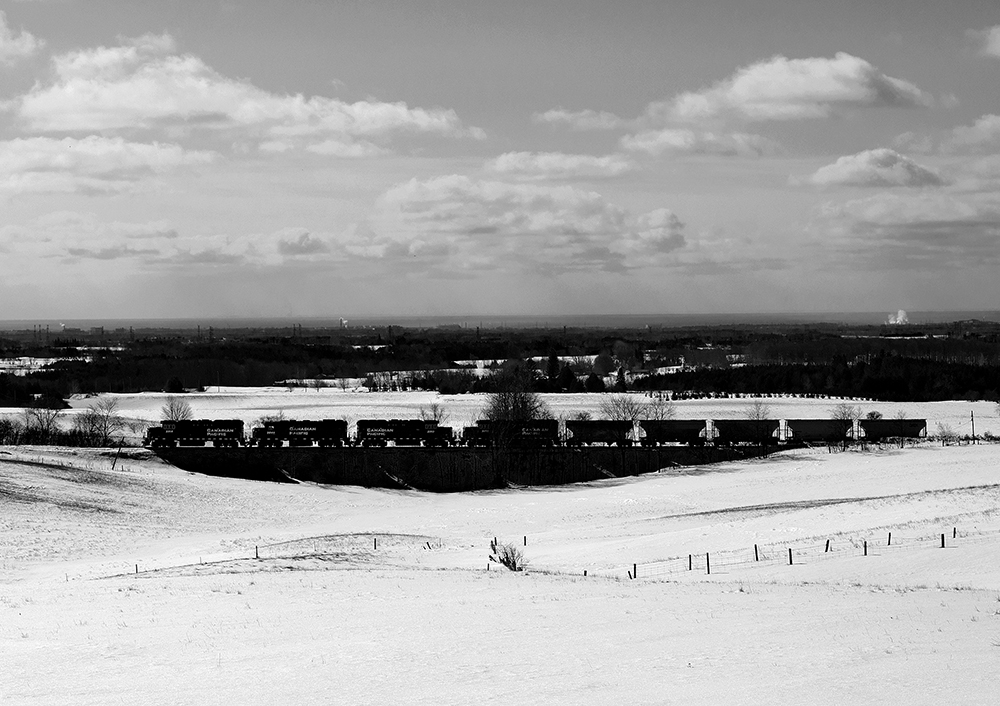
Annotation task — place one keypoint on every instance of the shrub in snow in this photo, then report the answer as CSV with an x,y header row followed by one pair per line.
x,y
508,555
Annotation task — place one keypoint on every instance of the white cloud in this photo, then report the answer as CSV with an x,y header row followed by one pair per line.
x,y
982,136
91,164
683,140
988,40
557,165
875,168
789,89
296,242
581,120
145,84
455,224
14,47
913,231
338,148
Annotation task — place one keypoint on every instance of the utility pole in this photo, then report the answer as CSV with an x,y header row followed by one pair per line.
x,y
973,417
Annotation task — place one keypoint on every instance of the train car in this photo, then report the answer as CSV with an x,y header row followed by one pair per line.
x,y
399,432
875,430
323,432
656,432
539,433
807,431
584,432
438,436
760,432
227,433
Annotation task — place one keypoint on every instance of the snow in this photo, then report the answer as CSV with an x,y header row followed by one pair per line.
x,y
250,404
326,616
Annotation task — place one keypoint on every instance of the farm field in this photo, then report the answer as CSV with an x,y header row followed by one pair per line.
x,y
143,585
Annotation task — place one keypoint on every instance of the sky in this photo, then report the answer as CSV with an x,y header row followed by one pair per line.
x,y
247,158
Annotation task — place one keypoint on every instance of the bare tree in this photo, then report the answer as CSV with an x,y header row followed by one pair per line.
x,y
513,399
344,384
434,413
621,408
845,415
41,422
660,407
757,411
946,434
175,409
106,420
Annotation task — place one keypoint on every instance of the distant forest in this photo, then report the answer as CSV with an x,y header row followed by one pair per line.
x,y
896,363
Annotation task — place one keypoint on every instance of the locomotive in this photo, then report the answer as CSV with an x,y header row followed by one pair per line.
x,y
226,433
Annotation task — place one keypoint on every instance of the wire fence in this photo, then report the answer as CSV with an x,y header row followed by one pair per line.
x,y
785,554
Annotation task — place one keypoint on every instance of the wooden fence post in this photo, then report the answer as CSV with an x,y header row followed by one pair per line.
x,y
756,556
866,547
708,563
942,540
954,532
256,552
827,546
690,562
525,540
889,543
789,556
635,570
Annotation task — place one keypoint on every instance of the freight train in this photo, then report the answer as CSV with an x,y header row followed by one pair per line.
x,y
539,434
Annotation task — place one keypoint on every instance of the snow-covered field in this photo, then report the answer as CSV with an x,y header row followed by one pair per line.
x,y
250,404
383,597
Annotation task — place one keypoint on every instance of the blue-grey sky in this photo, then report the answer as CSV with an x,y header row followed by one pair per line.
x,y
313,158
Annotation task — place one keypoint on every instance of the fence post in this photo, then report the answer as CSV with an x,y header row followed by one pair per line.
x,y
376,542
708,563
889,543
584,572
756,556
635,570
954,532
690,562
942,540
789,556
525,540
256,552
137,569
866,547
827,546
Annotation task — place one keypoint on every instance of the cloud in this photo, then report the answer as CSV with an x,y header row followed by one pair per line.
x,y
792,89
581,120
557,165
875,168
74,235
686,141
980,137
458,224
146,84
13,47
910,231
988,40
296,242
338,148
90,165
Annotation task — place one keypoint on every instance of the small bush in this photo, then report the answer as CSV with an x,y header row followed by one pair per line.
x,y
508,555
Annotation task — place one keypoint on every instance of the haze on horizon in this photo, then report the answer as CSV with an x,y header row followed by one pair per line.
x,y
257,158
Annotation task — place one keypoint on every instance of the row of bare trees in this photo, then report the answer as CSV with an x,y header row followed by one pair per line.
x,y
101,424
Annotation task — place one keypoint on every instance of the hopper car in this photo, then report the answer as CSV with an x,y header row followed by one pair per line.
x,y
587,432
657,432
875,430
761,432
